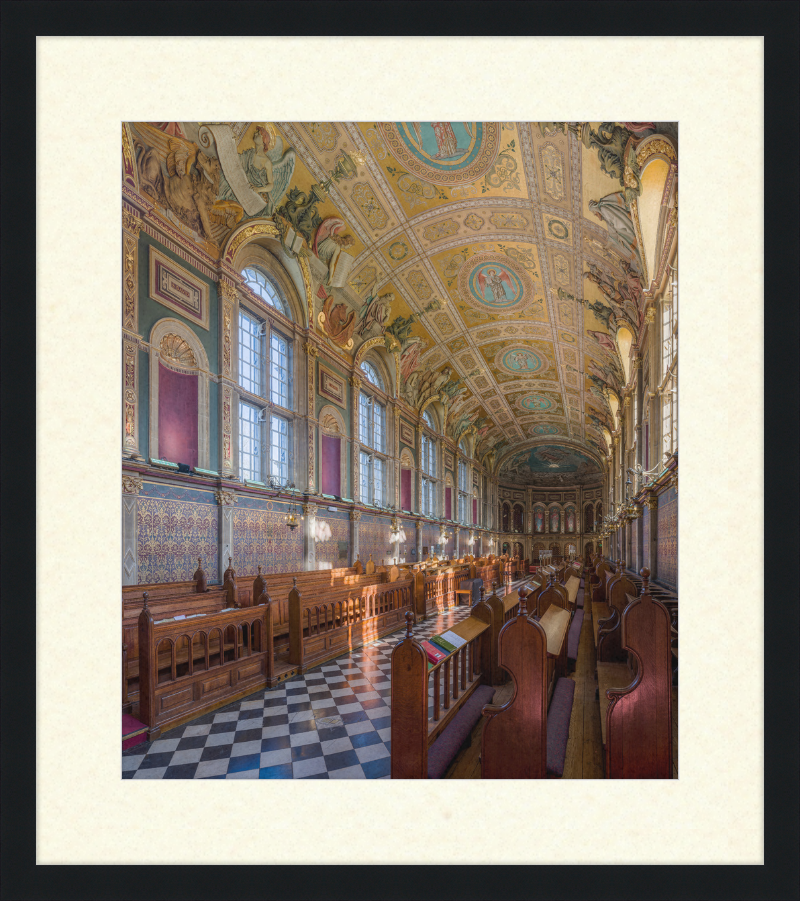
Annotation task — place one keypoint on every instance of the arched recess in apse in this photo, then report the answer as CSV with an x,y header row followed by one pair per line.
x,y
554,518
448,496
569,519
539,519
588,518
406,479
505,517
518,518
333,451
179,417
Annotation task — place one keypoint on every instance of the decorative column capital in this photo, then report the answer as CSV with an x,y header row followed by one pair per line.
x,y
225,498
131,484
418,524
627,401
355,381
652,503
637,362
310,509
227,290
355,516
650,315
131,220
311,349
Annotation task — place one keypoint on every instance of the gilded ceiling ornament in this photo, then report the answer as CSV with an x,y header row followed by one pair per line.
x,y
323,134
443,153
495,283
175,349
658,145
473,221
376,145
369,205
508,220
440,230
552,161
419,284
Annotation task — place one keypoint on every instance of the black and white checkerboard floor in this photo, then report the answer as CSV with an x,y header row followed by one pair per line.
x,y
331,723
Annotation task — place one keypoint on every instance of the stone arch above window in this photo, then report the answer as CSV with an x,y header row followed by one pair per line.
x,y
264,255
179,410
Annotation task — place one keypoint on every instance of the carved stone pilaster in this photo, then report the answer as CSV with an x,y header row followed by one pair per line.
x,y
130,397
355,384
228,297
309,534
419,540
355,519
226,501
227,467
131,226
131,486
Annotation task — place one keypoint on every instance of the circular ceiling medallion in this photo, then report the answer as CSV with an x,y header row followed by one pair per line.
x,y
545,430
444,153
535,402
493,282
519,360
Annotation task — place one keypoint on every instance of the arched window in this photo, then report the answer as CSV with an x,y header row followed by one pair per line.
x,y
427,454
373,463
265,387
257,281
371,374
462,446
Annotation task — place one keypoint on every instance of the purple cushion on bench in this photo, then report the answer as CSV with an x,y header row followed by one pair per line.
x,y
574,637
579,597
446,746
558,718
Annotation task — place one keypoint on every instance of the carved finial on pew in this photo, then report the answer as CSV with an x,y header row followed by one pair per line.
x,y
645,574
481,591
145,596
522,596
230,573
494,587
409,623
200,577
294,581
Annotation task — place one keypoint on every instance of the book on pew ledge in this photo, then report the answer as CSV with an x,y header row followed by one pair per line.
x,y
442,644
456,640
434,653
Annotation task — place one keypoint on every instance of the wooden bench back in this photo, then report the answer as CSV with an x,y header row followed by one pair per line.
x,y
514,742
639,718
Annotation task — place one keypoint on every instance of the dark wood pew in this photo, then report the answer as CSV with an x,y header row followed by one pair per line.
x,y
636,699
434,708
552,593
607,617
515,737
496,611
190,666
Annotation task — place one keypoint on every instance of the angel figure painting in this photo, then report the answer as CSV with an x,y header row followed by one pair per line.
x,y
495,285
268,171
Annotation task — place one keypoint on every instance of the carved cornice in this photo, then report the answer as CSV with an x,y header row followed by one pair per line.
x,y
225,498
131,484
227,290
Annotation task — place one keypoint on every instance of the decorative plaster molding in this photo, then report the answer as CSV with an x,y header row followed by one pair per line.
x,y
225,498
131,484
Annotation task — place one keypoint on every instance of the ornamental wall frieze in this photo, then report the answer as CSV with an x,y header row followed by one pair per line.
x,y
131,484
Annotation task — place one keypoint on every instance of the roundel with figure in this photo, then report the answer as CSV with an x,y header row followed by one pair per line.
x,y
519,360
535,402
444,153
495,283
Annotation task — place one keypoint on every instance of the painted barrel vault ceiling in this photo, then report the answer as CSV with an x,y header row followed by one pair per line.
x,y
506,264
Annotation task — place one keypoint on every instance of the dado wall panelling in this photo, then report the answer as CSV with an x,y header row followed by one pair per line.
x,y
175,526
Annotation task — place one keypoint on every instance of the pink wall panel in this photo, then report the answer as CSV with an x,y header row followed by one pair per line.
x,y
331,465
405,489
177,416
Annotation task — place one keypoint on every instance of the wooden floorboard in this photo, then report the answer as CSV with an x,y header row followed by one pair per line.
x,y
584,759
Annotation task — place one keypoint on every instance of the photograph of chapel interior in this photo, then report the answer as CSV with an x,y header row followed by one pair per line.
x,y
399,450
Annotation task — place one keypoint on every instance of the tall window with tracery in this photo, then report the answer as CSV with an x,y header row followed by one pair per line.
x,y
428,464
265,388
372,435
669,368
463,475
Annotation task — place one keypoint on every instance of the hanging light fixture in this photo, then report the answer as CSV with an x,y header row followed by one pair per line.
x,y
292,518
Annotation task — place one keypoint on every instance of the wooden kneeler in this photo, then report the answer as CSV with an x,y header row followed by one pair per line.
x,y
514,742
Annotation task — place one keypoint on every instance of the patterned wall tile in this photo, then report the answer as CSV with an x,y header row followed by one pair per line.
x,y
668,538
261,537
172,534
374,534
328,550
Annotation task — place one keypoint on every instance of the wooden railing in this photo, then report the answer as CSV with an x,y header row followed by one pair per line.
x,y
425,701
322,629
192,665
